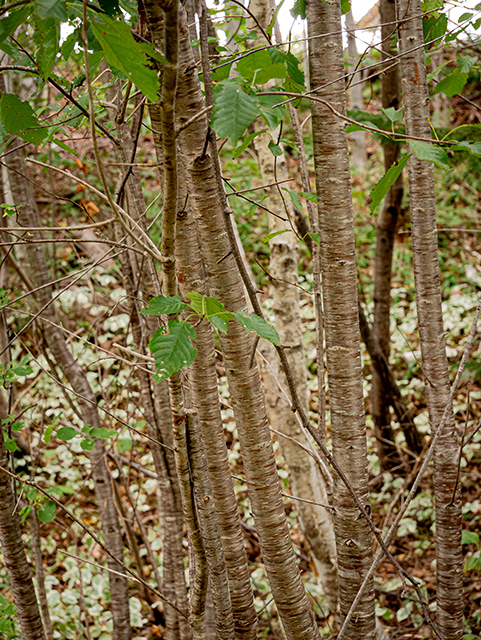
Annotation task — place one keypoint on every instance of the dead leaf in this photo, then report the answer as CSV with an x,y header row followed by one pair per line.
x,y
91,208
80,188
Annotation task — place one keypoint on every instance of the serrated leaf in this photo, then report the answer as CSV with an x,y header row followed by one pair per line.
x,y
271,114
345,6
68,45
312,197
394,115
163,305
315,237
247,66
472,147
452,84
299,9
434,28
275,149
256,324
430,153
470,537
294,196
66,433
102,433
269,236
291,63
380,191
466,63
51,9
212,309
12,21
47,52
19,119
174,350
46,513
125,54
87,445
234,110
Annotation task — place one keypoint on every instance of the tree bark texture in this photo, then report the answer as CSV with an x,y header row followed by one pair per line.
x,y
385,234
449,561
305,478
28,217
338,262
244,383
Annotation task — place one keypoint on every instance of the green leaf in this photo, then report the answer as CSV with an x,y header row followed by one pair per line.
x,y
470,537
212,309
299,9
87,445
10,444
275,149
380,191
257,325
124,444
452,84
345,6
466,63
291,63
434,28
394,115
68,45
234,110
46,513
472,147
269,236
66,433
125,54
163,305
102,433
315,237
51,9
257,60
245,143
110,6
18,118
430,153
173,351
274,18
48,49
12,21
312,197
294,197
464,17
268,110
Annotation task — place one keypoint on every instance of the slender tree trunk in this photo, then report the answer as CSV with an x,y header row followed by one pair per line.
x,y
305,478
338,262
24,196
449,561
385,233
205,397
39,574
244,383
358,138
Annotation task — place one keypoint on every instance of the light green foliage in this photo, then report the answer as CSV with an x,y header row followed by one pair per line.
x,y
51,9
234,110
257,325
430,153
47,512
380,191
161,305
452,84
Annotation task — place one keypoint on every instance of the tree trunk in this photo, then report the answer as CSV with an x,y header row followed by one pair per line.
x,y
449,561
25,199
358,138
385,232
244,384
338,262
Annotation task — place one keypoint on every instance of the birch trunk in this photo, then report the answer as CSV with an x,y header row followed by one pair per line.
x,y
385,232
24,198
331,157
449,561
246,392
